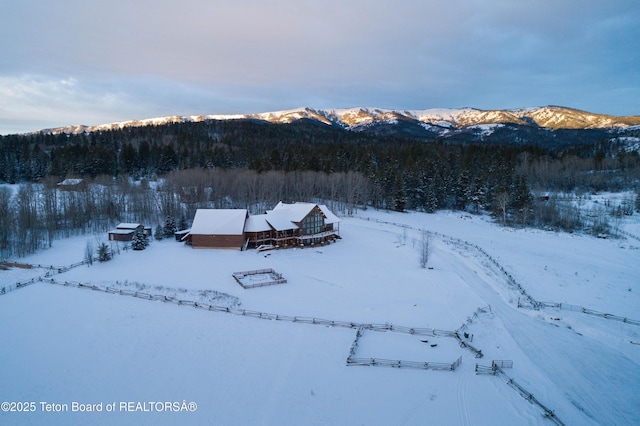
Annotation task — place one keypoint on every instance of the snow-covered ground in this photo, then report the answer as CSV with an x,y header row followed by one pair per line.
x,y
64,344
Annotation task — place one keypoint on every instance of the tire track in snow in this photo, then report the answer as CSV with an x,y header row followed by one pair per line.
x,y
463,404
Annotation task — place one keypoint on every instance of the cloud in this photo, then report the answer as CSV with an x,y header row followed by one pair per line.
x,y
108,59
45,101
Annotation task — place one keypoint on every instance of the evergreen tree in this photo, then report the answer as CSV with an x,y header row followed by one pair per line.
x,y
183,223
159,234
399,196
140,240
521,195
169,227
104,252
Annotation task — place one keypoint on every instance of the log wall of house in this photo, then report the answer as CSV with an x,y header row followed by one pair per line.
x,y
217,241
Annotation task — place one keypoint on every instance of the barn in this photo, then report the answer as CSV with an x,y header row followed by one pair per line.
x,y
218,228
124,231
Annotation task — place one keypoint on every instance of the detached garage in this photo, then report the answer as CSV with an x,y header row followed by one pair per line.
x,y
218,228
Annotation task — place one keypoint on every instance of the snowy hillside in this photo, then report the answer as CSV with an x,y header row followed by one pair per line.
x,y
65,344
440,118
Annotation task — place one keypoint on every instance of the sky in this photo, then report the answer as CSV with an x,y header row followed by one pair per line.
x,y
73,62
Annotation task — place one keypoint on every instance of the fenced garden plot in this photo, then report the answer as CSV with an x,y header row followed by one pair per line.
x,y
258,278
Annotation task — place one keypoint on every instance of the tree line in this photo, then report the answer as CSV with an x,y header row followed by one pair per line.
x,y
143,174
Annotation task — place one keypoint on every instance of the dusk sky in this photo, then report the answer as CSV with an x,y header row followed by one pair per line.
x,y
70,62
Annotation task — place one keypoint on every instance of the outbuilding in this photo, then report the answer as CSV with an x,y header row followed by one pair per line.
x,y
124,231
218,228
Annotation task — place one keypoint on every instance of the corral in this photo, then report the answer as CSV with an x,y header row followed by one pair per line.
x,y
258,278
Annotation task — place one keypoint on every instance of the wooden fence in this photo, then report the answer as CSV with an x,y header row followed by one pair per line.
x,y
463,337
255,314
496,369
548,413
575,308
381,362
51,270
352,360
276,278
501,363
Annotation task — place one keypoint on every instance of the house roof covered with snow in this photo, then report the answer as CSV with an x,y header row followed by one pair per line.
x,y
280,220
257,223
130,226
329,217
219,221
298,211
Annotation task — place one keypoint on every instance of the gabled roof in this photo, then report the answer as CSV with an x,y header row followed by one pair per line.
x,y
329,217
126,225
296,211
257,223
219,221
280,220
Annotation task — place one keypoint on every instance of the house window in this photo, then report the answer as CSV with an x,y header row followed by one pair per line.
x,y
312,224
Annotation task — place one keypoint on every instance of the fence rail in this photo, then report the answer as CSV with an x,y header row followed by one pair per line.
x,y
255,314
548,413
502,363
628,234
423,365
576,308
6,288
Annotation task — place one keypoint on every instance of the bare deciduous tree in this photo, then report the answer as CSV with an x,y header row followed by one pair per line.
x,y
425,249
89,252
502,203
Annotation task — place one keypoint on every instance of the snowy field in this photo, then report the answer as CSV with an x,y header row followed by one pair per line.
x,y
64,345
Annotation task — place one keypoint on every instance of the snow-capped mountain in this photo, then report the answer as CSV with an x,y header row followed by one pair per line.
x,y
438,120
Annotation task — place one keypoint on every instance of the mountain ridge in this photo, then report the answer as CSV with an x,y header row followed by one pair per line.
x,y
437,120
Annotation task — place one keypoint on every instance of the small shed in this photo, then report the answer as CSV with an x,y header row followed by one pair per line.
x,y
124,231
